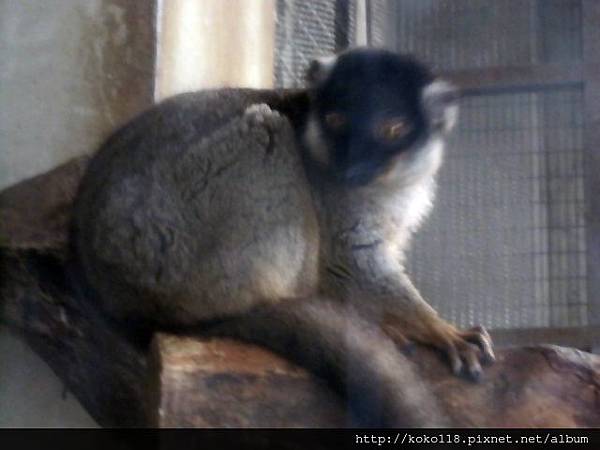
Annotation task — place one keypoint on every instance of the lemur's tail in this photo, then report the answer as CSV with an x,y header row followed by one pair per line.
x,y
352,355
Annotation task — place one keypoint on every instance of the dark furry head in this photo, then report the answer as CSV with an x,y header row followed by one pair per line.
x,y
371,109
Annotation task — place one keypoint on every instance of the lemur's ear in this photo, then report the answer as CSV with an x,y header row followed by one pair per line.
x,y
319,69
440,100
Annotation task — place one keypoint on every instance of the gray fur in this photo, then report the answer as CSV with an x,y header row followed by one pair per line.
x,y
204,210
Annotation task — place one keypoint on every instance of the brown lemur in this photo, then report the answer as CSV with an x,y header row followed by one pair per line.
x,y
281,217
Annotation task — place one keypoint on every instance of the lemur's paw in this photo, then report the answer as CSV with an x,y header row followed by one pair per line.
x,y
262,114
480,337
258,111
466,350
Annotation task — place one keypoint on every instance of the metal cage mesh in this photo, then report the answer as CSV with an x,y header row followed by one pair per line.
x,y
307,30
505,245
467,34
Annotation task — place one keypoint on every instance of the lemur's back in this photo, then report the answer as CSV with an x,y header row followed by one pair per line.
x,y
196,209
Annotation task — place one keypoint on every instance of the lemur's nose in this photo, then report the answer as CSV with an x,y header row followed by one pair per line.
x,y
358,174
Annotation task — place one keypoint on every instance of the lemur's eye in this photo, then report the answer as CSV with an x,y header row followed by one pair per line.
x,y
392,129
335,121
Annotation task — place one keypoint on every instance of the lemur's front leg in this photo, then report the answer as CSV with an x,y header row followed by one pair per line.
x,y
382,290
465,349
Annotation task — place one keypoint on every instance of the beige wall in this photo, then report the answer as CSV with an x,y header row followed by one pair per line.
x,y
30,394
214,43
70,70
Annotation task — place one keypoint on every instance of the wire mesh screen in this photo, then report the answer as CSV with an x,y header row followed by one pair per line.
x,y
380,29
462,34
306,30
505,245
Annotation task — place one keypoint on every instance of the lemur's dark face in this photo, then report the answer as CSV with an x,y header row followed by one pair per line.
x,y
370,111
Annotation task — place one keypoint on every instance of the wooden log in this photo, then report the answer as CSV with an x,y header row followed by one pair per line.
x,y
128,379
220,382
